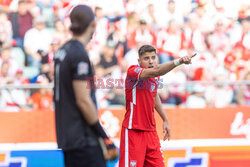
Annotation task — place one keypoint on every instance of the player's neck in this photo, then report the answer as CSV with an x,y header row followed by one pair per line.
x,y
81,38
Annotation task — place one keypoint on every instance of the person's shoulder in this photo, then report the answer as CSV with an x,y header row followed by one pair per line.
x,y
133,69
12,14
76,51
78,46
30,32
62,52
47,31
133,66
75,47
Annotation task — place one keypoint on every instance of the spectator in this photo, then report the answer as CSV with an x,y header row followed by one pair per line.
x,y
100,35
21,21
175,93
47,64
142,35
219,95
131,57
119,40
61,33
102,27
193,35
11,99
108,60
240,34
5,29
132,24
245,38
218,41
243,91
134,6
169,42
115,97
7,5
150,17
4,74
203,19
196,99
234,62
37,38
113,10
6,57
43,99
171,13
19,78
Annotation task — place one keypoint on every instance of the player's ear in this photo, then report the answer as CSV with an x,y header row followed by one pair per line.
x,y
139,61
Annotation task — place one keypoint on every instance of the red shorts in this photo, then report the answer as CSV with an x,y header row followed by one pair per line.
x,y
140,149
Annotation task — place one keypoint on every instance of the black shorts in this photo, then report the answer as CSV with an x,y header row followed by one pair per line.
x,y
89,156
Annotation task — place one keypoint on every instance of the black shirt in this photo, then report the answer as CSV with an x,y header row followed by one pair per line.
x,y
71,63
106,64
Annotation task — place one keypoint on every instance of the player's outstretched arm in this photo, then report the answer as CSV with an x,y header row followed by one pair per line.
x,y
162,69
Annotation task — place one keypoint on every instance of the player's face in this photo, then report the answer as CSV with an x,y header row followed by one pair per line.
x,y
148,60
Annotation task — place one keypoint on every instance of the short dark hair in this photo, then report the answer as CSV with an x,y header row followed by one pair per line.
x,y
146,48
21,1
97,8
81,16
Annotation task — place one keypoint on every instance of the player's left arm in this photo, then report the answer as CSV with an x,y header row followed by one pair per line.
x,y
163,115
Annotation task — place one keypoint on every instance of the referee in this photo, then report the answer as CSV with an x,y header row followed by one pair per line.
x,y
77,127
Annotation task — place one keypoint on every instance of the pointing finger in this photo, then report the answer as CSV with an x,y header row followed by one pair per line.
x,y
193,55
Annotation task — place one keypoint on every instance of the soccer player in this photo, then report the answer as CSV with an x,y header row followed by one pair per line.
x,y
77,127
139,143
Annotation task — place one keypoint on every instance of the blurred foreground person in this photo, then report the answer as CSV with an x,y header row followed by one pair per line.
x,y
79,133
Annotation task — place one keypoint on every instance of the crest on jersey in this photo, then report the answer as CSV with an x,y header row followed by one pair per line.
x,y
137,69
82,68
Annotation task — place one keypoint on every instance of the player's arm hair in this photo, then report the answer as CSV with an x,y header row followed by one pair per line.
x,y
159,70
84,101
159,108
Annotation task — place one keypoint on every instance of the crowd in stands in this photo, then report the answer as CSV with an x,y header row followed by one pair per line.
x,y
31,31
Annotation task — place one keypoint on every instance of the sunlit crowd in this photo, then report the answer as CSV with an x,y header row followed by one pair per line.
x,y
31,31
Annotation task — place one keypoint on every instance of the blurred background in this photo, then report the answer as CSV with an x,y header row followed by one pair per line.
x,y
207,102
